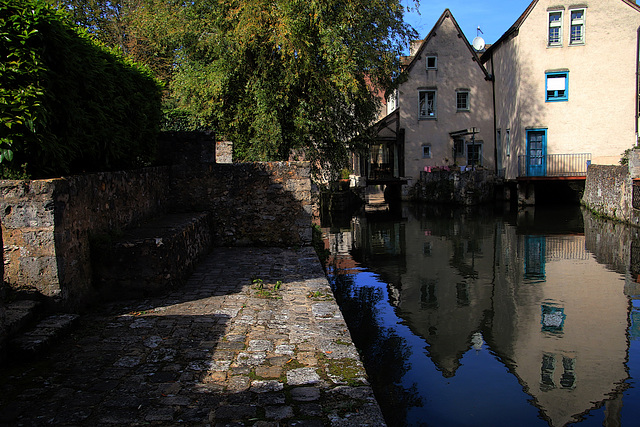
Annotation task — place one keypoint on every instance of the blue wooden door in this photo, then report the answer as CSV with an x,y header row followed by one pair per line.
x,y
536,152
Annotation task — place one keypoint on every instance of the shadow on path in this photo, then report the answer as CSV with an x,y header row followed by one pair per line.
x,y
217,351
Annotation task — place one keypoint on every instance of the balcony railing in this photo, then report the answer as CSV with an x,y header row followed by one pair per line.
x,y
555,165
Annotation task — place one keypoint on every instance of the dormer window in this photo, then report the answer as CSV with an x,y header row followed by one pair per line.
x,y
555,28
432,62
577,27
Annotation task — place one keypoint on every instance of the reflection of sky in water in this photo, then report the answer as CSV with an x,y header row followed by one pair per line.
x,y
481,383
484,389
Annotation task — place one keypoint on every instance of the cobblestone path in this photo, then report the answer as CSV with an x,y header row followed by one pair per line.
x,y
254,338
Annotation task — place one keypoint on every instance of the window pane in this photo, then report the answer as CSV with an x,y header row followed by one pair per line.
x,y
462,100
556,83
427,104
555,28
576,33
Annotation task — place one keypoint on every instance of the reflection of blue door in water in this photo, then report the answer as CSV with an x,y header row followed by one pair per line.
x,y
536,152
534,257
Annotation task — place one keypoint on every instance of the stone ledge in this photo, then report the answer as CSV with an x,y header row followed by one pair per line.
x,y
45,333
15,317
156,256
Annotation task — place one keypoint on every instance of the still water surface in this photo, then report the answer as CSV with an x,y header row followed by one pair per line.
x,y
490,317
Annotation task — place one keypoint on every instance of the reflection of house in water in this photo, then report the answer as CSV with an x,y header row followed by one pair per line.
x,y
552,302
557,319
447,286
378,243
339,244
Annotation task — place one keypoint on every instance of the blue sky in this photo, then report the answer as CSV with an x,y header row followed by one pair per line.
x,y
494,17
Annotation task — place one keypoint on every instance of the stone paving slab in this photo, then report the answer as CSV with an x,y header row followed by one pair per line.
x,y
254,338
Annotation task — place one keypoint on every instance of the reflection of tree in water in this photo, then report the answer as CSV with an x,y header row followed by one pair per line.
x,y
384,353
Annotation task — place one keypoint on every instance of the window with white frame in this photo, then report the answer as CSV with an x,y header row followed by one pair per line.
x,y
462,100
507,141
427,104
555,28
577,27
426,151
557,86
432,62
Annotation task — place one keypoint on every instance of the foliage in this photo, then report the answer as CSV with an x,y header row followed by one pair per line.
x,y
279,78
143,30
266,290
290,76
624,157
68,104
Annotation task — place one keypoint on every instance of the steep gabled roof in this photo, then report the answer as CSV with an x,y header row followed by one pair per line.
x,y
513,30
447,14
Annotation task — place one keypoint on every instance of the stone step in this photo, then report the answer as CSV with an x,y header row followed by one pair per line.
x,y
156,256
15,316
36,340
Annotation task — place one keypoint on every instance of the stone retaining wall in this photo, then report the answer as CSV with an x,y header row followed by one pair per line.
x,y
608,191
462,188
264,204
46,225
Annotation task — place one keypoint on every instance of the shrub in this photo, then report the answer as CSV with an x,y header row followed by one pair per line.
x,y
67,104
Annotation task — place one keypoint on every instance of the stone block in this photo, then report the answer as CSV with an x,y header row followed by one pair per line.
x,y
153,257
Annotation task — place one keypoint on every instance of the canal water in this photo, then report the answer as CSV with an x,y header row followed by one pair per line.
x,y
494,316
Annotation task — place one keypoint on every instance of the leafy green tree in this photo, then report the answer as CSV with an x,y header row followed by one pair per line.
x,y
140,29
278,77
289,76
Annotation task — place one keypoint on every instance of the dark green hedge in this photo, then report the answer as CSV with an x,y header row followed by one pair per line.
x,y
68,105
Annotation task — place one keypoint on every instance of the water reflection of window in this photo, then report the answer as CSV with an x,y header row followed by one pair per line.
x,y
462,294
534,257
428,298
552,319
634,265
474,247
568,379
546,372
426,248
